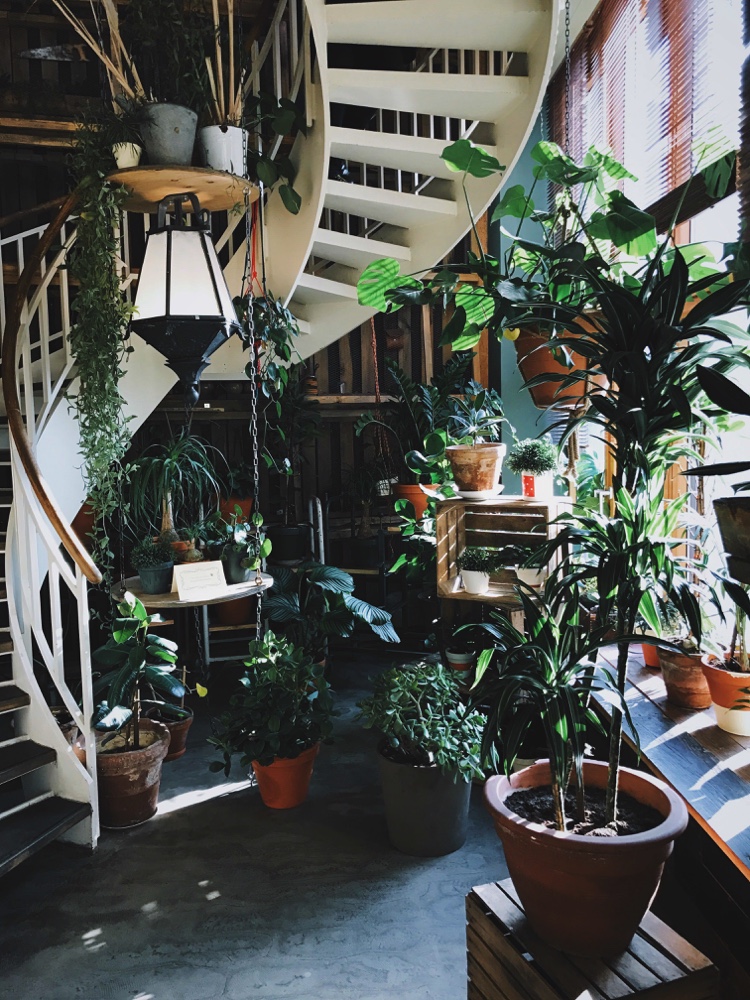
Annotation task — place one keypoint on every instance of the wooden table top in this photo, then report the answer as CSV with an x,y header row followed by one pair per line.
x,y
159,602
707,766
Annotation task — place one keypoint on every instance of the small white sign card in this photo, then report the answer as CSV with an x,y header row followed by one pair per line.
x,y
199,581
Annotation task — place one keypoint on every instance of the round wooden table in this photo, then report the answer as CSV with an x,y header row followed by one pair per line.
x,y
216,190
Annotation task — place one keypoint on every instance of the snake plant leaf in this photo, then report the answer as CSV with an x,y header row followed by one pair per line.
x,y
464,157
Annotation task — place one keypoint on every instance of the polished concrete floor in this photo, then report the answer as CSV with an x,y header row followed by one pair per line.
x,y
220,897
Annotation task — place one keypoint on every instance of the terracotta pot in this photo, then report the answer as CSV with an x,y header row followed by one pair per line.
x,y
535,358
408,491
285,783
129,781
730,696
684,680
227,507
235,612
586,895
181,550
650,656
178,733
476,468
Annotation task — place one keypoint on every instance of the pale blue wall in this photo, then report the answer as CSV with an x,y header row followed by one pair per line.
x,y
504,373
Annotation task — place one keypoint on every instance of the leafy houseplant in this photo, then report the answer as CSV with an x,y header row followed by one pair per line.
x,y
728,677
237,489
154,561
244,550
428,754
174,481
476,458
135,661
551,674
476,565
314,602
534,460
278,719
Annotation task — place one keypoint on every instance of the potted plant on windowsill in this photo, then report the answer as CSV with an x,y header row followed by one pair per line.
x,y
428,754
314,602
535,461
277,721
728,676
563,851
153,560
132,749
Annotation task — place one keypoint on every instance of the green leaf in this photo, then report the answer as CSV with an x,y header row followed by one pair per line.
x,y
478,304
464,157
267,172
378,278
454,327
514,202
625,225
556,166
292,201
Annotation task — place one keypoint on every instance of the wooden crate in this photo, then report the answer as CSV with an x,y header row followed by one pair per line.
x,y
508,520
507,961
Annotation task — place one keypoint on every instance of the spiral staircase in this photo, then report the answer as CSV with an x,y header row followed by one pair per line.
x,y
386,85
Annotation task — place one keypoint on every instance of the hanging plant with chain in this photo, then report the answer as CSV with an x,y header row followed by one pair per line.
x,y
98,338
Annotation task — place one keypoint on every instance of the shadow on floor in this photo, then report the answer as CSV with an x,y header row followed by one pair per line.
x,y
220,897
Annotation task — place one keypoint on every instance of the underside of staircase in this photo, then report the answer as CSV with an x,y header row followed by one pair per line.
x,y
388,85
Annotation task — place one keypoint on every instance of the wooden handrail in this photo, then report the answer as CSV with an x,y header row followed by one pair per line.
x,y
24,213
16,426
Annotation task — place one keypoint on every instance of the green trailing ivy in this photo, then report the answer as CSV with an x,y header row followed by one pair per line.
x,y
99,336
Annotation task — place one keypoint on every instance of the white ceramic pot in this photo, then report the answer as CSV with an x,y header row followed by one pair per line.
x,y
475,582
126,154
531,577
223,148
459,661
537,487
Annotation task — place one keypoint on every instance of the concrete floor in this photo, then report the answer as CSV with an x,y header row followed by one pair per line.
x,y
220,897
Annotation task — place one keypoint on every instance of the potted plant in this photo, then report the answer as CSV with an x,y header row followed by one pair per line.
x,y
460,655
277,721
728,676
535,460
314,602
244,549
153,560
174,482
237,489
130,754
428,754
552,817
477,457
476,565
682,670
416,422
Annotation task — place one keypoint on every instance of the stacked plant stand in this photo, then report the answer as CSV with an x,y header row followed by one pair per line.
x,y
507,961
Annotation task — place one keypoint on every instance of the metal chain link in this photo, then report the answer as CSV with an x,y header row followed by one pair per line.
x,y
567,77
200,666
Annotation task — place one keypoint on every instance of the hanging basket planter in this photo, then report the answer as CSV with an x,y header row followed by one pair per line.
x,y
535,358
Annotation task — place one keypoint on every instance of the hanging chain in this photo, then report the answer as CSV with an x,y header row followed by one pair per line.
x,y
567,77
200,665
121,509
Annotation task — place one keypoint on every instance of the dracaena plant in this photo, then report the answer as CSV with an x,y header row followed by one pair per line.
x,y
634,561
547,672
727,395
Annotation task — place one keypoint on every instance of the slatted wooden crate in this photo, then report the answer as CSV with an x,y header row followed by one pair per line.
x,y
507,961
492,524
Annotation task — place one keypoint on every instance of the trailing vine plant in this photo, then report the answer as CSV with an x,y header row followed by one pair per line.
x,y
99,337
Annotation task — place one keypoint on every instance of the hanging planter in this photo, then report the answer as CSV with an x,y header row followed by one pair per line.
x,y
168,133
127,154
536,359
224,147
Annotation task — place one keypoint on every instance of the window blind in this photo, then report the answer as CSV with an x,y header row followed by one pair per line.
x,y
657,82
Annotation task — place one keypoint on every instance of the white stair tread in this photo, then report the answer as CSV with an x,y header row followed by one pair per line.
x,y
355,251
312,288
498,25
411,153
470,97
393,207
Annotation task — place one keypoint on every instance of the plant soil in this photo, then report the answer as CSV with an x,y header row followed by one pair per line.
x,y
537,806
120,744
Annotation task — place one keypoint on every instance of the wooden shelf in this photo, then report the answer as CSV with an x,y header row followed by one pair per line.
x,y
216,190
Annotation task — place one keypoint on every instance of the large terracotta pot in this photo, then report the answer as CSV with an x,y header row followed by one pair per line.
x,y
284,783
733,516
227,507
476,468
129,782
535,358
178,733
418,498
730,696
684,680
650,656
586,895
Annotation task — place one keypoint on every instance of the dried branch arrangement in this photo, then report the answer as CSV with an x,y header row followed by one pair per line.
x,y
227,103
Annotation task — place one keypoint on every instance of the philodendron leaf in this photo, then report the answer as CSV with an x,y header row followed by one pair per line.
x,y
625,225
514,203
291,199
377,278
454,327
464,157
476,303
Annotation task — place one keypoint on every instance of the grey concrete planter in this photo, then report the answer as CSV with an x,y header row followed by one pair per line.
x,y
427,813
168,133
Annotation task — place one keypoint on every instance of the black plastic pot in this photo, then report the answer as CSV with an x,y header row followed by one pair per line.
x,y
426,811
234,571
290,543
156,579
